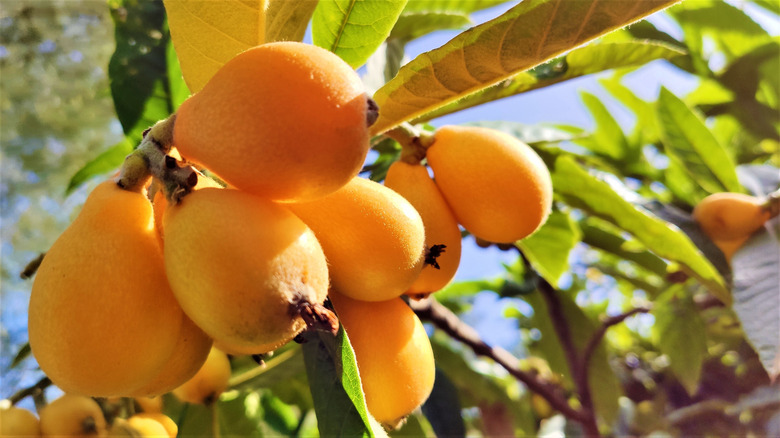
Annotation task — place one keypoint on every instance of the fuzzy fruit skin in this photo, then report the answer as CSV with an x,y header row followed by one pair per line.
x,y
209,382
499,188
283,120
393,354
18,422
188,356
373,238
105,271
154,425
73,415
729,219
237,263
413,183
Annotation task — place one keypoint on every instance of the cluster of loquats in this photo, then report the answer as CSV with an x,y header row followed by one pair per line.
x,y
165,270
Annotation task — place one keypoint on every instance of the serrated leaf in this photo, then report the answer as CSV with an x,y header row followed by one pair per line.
x,y
605,387
593,58
108,160
138,69
525,36
548,248
689,143
287,20
680,334
335,387
207,34
354,29
582,190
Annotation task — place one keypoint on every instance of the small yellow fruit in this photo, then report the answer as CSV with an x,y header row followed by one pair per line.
x,y
499,188
188,356
73,415
729,219
153,425
18,422
413,183
393,354
209,382
240,265
105,271
283,120
373,238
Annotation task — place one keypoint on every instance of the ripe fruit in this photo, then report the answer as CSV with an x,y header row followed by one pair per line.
x,y
283,120
188,355
498,187
18,422
153,425
373,239
105,271
209,382
729,219
241,266
73,415
160,203
413,183
393,353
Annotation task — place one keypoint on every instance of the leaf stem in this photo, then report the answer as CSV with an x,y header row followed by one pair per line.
x,y
414,142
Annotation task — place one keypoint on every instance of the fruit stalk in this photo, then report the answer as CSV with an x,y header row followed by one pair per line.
x,y
414,142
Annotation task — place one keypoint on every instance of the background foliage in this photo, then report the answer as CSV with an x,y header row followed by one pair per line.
x,y
82,79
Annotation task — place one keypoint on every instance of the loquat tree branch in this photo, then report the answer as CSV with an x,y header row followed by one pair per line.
x,y
579,369
598,335
444,319
33,390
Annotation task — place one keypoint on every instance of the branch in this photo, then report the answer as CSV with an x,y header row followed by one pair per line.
x,y
31,391
598,335
444,319
578,368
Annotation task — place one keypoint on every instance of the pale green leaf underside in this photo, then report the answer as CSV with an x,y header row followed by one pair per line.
x,y
579,62
585,191
354,29
526,35
689,142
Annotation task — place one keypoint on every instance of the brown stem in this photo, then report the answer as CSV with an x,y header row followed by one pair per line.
x,y
772,204
598,335
414,142
315,315
31,391
578,368
445,320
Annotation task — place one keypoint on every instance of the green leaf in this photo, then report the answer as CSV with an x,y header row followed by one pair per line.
x,y
525,36
689,143
287,20
769,5
605,387
728,26
138,69
179,92
582,190
593,58
421,17
679,333
599,235
608,138
646,127
282,366
354,29
548,248
108,160
335,387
